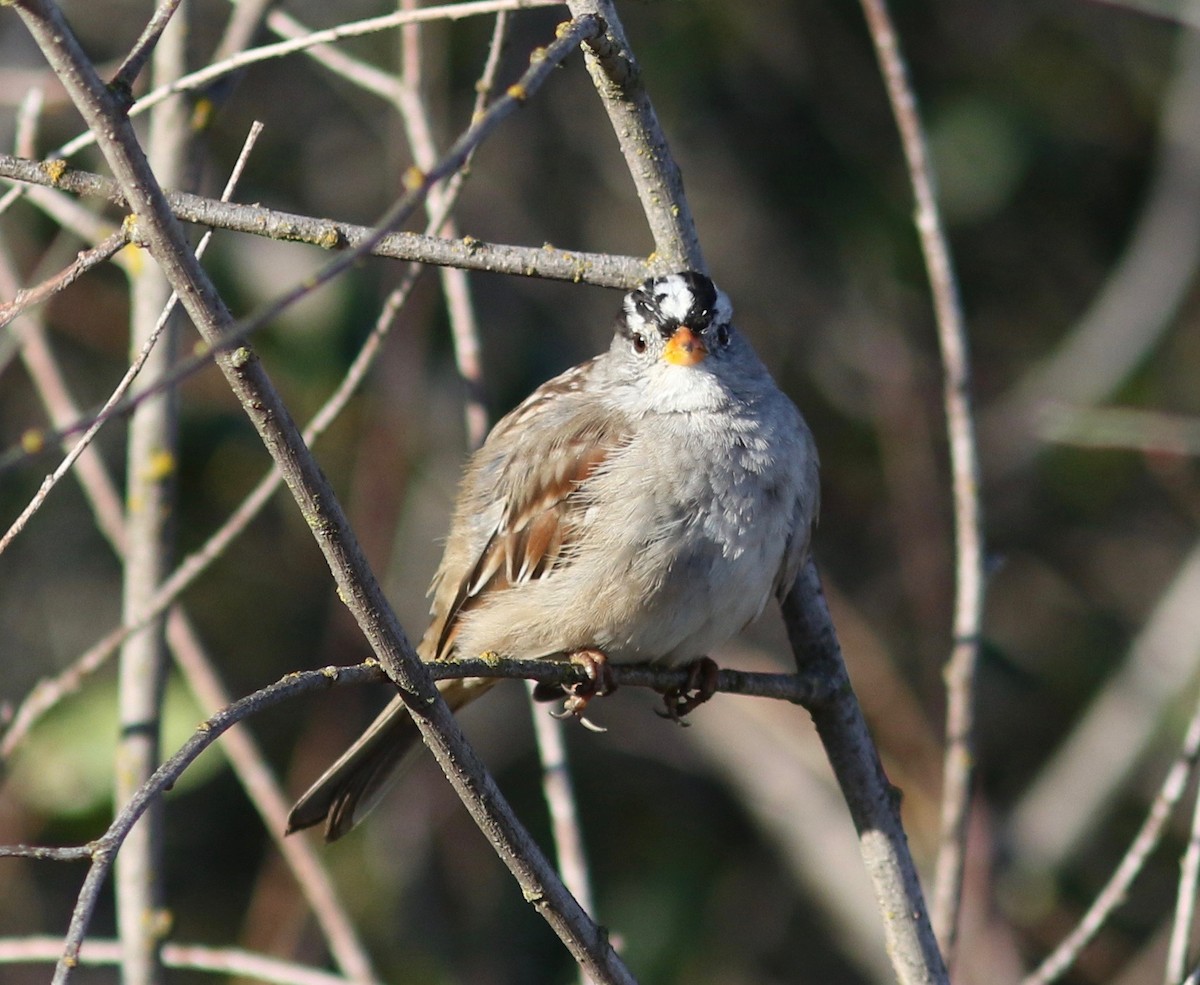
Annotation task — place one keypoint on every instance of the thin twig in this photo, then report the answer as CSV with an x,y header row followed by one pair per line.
x,y
135,61
103,850
561,803
236,63
964,467
1071,792
354,70
617,78
459,153
1185,904
48,692
35,441
230,961
1143,292
52,389
265,794
464,326
1127,428
42,292
29,114
1116,890
812,688
110,246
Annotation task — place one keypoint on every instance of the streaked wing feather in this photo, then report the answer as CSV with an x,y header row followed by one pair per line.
x,y
539,477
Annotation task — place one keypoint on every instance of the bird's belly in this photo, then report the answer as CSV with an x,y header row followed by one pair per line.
x,y
705,597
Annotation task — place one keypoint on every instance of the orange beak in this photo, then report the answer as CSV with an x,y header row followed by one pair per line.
x,y
685,348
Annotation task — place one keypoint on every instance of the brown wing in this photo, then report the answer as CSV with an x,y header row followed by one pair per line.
x,y
519,499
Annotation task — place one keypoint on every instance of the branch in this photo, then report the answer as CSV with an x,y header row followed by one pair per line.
x,y
230,961
618,80
136,60
83,262
1115,891
813,688
550,262
49,691
964,468
152,450
240,60
1185,900
102,851
873,802
248,763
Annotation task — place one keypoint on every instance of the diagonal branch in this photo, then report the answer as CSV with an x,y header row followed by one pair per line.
x,y
872,801
618,80
1116,890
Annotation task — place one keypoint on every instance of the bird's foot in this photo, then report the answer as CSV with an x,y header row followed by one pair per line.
x,y
701,684
599,683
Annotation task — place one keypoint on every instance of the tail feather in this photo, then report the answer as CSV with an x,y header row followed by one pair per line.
x,y
346,792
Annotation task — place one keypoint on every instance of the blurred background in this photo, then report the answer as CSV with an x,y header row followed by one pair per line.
x,y
1066,140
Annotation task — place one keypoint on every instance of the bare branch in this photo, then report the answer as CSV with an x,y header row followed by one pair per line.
x,y
231,961
550,262
1127,428
964,466
1142,294
449,164
264,791
1185,900
40,293
239,61
812,688
1116,889
151,457
48,692
86,260
136,60
247,761
1063,802
871,799
103,851
617,77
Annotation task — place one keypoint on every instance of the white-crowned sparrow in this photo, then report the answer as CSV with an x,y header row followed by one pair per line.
x,y
643,506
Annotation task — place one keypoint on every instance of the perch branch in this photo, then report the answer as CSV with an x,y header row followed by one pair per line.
x,y
873,803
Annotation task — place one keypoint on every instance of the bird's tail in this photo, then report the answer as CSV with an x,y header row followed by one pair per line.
x,y
347,791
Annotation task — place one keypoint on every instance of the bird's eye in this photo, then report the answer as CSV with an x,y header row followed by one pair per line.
x,y
639,342
722,335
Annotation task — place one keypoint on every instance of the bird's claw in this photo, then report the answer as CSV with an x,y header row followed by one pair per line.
x,y
701,684
599,683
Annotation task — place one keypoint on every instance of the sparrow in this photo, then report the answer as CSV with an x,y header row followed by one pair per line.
x,y
642,507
